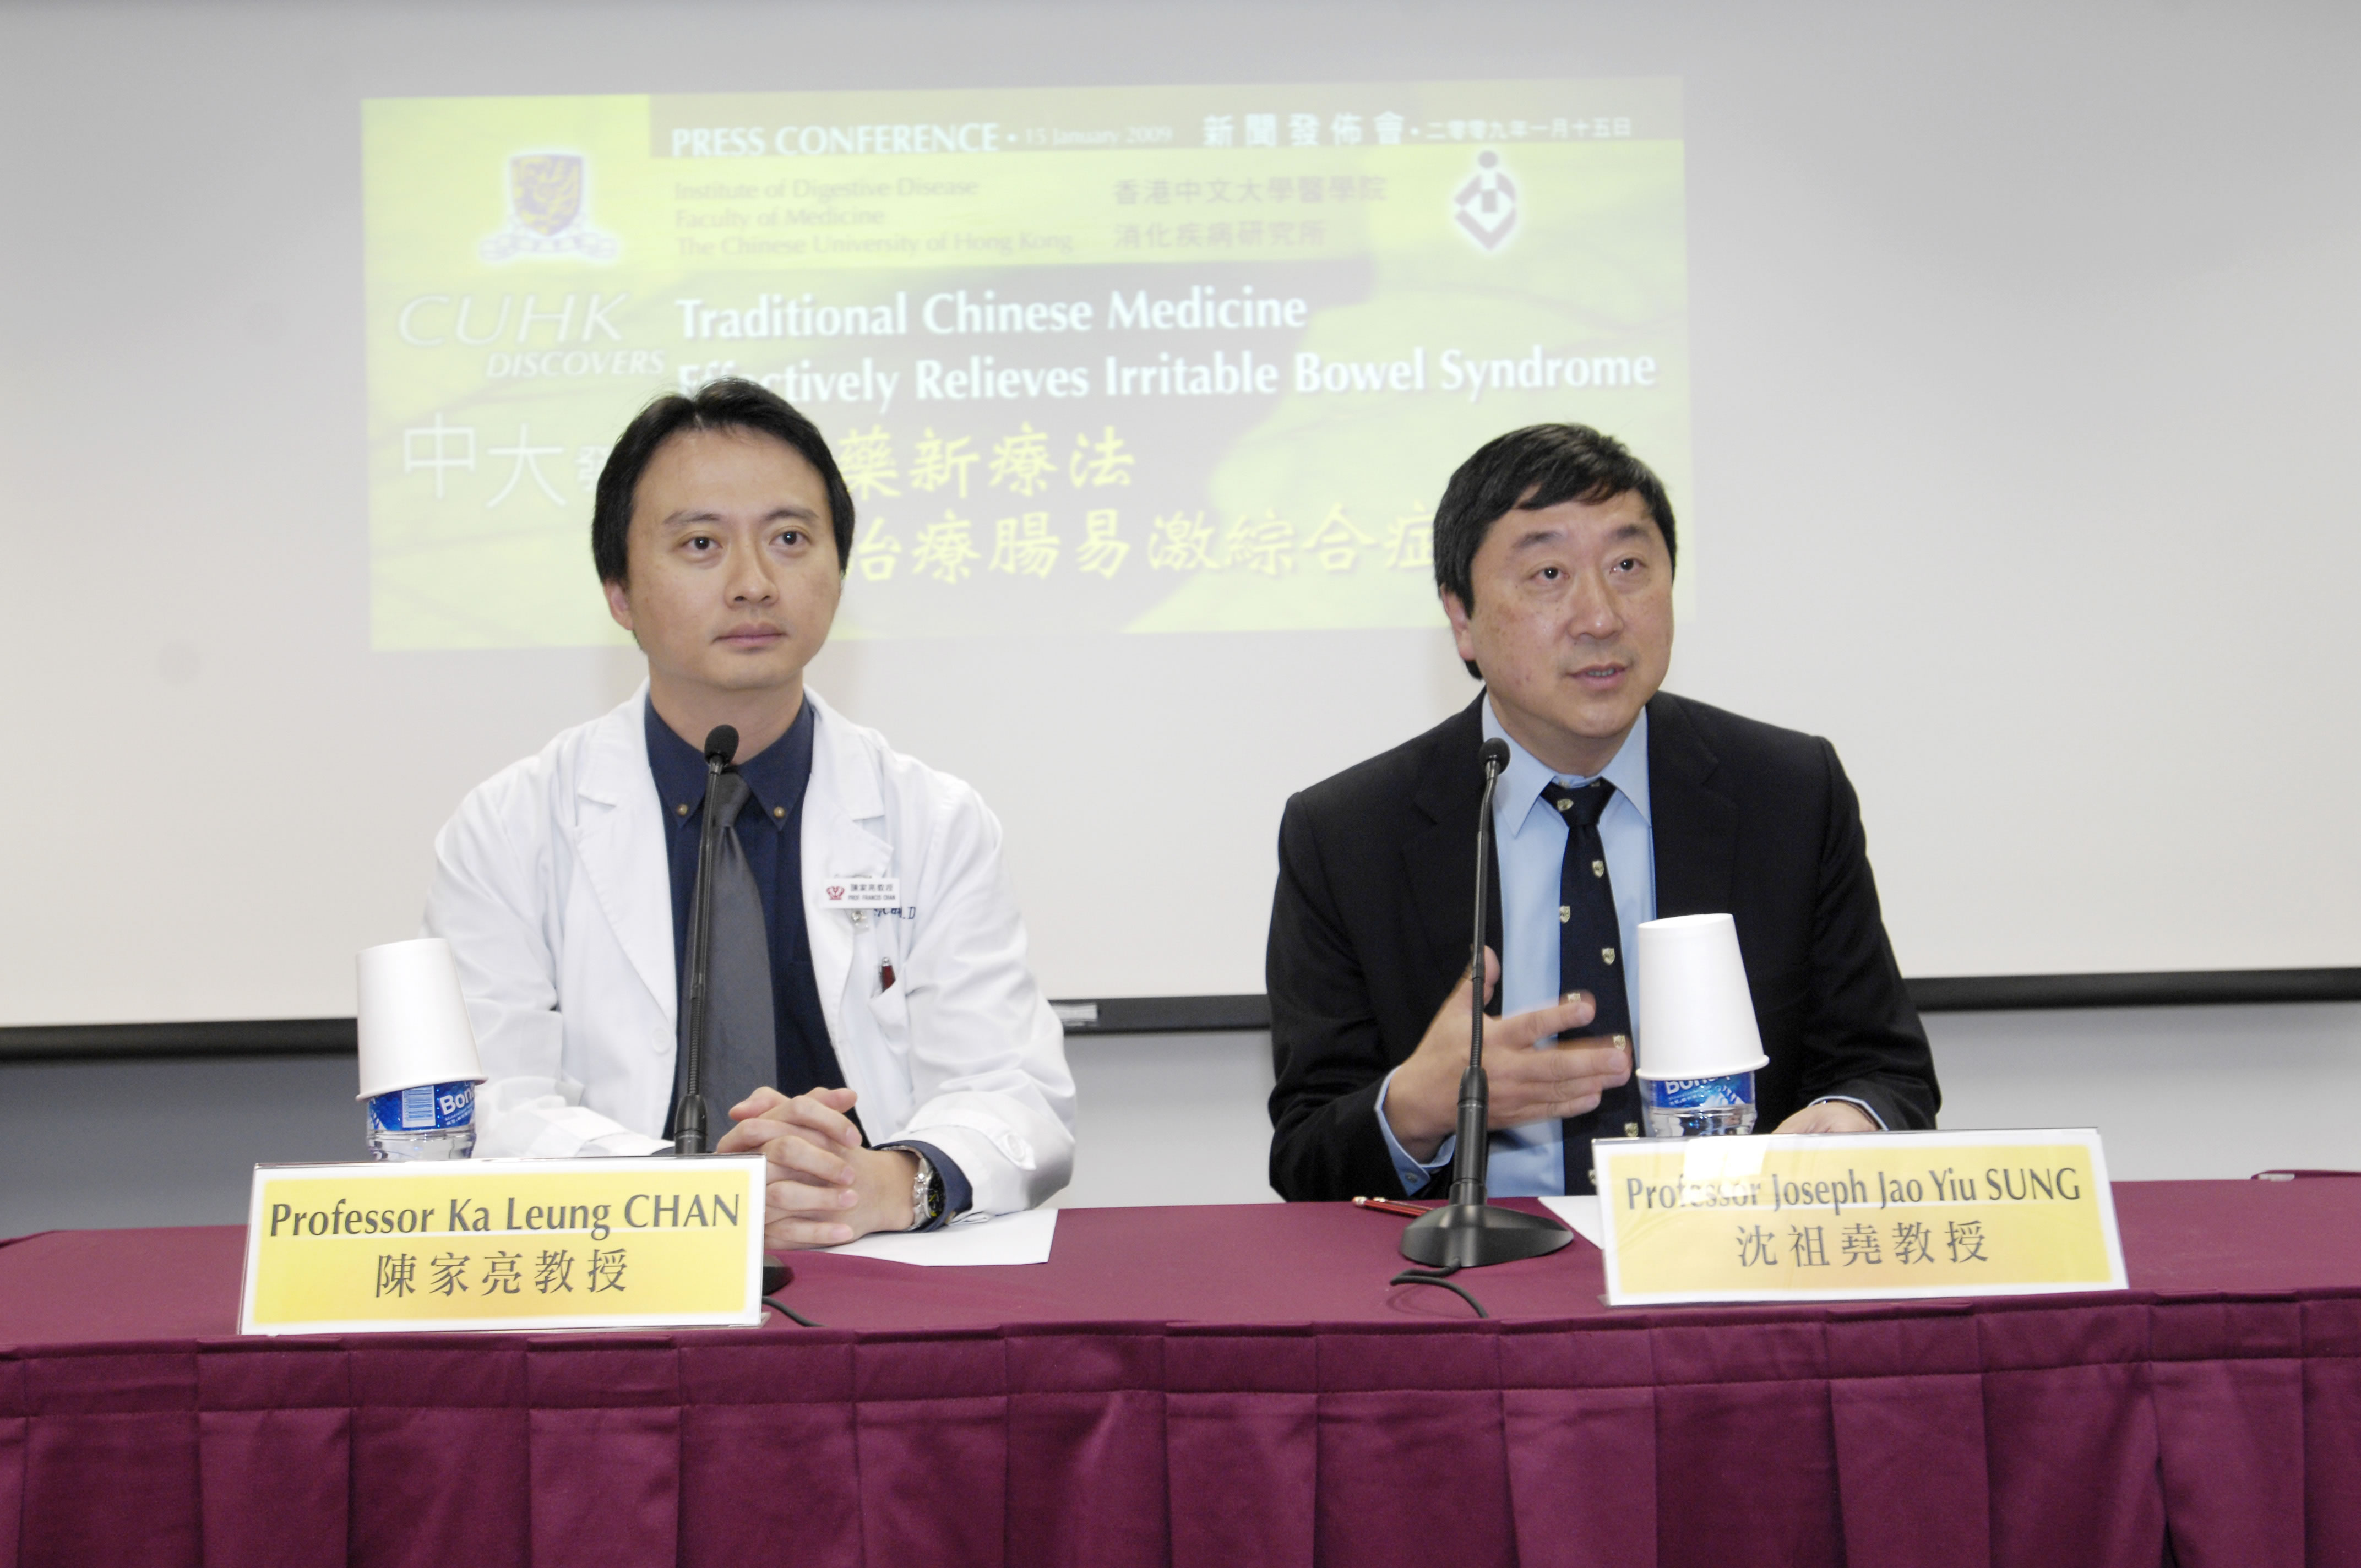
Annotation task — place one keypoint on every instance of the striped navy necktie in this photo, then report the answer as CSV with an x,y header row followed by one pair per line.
x,y
1590,958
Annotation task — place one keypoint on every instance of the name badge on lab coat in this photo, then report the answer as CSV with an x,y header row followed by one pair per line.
x,y
860,892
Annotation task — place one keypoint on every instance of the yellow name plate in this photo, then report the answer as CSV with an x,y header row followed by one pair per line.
x,y
1856,1217
503,1243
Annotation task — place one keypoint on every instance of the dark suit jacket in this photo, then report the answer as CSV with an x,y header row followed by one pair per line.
x,y
1377,876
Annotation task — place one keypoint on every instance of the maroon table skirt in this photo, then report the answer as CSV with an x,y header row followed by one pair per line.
x,y
1204,1386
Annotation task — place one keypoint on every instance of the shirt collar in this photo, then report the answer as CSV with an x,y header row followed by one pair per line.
x,y
776,777
1527,775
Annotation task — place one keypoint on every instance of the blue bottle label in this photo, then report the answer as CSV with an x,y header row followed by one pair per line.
x,y
1701,1093
424,1109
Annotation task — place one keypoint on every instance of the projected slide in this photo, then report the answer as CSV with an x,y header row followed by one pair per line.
x,y
1115,360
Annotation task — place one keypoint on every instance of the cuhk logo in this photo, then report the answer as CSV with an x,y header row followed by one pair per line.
x,y
836,895
1486,207
548,212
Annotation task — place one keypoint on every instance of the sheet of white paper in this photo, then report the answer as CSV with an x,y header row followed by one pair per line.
x,y
1007,1238
1581,1212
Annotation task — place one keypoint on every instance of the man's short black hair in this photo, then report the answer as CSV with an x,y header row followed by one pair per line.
x,y
732,404
1526,471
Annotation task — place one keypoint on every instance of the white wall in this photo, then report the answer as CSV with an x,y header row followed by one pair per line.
x,y
2200,1092
2176,1092
1171,1119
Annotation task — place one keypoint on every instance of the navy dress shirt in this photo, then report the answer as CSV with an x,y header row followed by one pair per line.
x,y
770,831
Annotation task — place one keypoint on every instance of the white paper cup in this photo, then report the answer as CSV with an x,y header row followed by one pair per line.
x,y
413,1021
1695,1018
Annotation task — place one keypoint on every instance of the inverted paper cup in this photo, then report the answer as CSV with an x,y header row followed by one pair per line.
x,y
1696,1017
413,1021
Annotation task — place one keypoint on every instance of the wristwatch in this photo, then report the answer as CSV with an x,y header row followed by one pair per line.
x,y
925,1191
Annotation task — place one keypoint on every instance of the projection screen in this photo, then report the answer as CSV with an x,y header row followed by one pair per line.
x,y
1997,366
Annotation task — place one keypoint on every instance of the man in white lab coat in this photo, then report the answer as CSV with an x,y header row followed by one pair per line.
x,y
920,1071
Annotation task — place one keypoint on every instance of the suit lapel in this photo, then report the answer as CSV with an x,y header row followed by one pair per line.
x,y
1439,859
1696,828
1441,865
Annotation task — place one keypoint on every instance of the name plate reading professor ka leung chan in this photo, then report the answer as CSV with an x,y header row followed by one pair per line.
x,y
1856,1217
503,1243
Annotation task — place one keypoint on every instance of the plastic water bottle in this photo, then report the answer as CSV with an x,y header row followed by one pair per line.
x,y
433,1121
1699,1107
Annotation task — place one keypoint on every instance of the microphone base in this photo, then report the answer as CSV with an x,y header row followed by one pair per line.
x,y
1472,1235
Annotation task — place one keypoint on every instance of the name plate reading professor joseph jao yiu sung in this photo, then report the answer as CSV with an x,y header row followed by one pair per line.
x,y
1856,1216
503,1243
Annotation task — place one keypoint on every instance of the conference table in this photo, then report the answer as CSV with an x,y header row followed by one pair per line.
x,y
1201,1385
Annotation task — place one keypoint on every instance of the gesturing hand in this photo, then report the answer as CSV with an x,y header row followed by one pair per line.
x,y
1556,1080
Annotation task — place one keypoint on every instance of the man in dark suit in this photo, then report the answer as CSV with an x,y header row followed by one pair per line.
x,y
1554,551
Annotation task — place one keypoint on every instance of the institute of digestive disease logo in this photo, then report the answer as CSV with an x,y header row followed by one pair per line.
x,y
547,215
1486,207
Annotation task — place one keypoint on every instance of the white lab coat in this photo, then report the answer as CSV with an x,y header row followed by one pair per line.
x,y
552,885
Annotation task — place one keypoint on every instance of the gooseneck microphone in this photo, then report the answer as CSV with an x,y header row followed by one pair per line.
x,y
1468,1232
689,1116
1470,1165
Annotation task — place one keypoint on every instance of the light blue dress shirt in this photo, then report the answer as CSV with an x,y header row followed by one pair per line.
x,y
1530,853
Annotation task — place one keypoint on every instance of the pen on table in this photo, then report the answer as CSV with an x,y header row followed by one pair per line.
x,y
1388,1206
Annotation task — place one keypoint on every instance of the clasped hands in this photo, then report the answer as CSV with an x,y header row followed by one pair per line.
x,y
1528,1084
825,1186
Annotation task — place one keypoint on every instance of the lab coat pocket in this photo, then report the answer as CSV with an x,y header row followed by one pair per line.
x,y
888,991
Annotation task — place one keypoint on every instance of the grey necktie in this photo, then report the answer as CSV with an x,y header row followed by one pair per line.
x,y
741,1048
